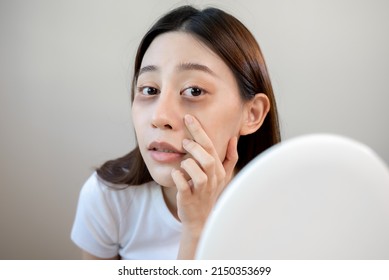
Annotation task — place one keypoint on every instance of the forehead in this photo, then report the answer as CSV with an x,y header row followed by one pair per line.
x,y
179,47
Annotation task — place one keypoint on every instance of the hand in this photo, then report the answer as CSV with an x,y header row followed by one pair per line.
x,y
208,178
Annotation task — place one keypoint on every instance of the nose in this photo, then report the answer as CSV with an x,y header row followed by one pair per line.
x,y
167,113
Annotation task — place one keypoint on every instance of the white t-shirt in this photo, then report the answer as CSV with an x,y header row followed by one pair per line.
x,y
133,222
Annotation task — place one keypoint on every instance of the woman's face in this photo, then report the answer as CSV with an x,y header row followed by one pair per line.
x,y
179,75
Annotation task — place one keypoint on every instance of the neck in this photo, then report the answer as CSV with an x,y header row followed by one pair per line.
x,y
170,197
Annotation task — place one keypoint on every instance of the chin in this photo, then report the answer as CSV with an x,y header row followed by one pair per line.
x,y
163,177
163,181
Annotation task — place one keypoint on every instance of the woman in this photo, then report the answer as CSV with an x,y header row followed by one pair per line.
x,y
202,107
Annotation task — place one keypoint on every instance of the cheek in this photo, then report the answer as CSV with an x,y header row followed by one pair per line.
x,y
137,117
221,143
220,131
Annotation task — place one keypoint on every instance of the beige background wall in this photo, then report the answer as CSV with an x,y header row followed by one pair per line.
x,y
64,97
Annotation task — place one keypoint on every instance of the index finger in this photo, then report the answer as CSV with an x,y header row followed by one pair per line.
x,y
199,134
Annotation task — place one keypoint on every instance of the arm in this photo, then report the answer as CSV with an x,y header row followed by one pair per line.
x,y
208,178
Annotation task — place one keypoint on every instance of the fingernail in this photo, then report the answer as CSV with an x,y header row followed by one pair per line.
x,y
188,119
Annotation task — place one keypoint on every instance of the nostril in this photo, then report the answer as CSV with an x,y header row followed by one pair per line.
x,y
163,121
165,126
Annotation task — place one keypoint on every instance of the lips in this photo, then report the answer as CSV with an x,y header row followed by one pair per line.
x,y
165,152
164,148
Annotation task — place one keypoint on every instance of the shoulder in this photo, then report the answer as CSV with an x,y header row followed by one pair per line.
x,y
96,191
101,212
131,221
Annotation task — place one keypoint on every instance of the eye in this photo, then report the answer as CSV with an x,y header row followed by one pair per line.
x,y
193,91
148,90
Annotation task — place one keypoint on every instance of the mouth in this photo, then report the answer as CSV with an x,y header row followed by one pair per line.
x,y
164,147
165,152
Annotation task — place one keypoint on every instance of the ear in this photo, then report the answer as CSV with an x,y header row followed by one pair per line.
x,y
255,111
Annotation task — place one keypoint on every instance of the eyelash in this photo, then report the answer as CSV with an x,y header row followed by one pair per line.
x,y
202,91
157,91
141,90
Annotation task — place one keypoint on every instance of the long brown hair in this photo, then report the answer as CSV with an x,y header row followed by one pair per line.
x,y
232,42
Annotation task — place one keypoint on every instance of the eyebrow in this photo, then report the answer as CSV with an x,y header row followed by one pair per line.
x,y
148,68
182,67
195,66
